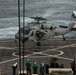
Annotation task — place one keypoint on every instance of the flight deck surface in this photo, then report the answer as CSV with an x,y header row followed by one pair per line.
x,y
63,50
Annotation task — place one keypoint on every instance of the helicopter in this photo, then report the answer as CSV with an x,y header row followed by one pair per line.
x,y
42,31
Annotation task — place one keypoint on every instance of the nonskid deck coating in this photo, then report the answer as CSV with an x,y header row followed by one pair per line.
x,y
40,54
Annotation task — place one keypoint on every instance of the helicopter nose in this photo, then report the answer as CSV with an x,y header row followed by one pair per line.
x,y
26,38
16,36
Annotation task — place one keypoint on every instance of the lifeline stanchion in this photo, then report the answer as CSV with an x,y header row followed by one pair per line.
x,y
0,70
75,63
23,31
19,36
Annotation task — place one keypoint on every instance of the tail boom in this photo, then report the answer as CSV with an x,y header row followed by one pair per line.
x,y
70,27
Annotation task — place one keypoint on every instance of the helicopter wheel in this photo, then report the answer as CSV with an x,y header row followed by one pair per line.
x,y
38,44
63,38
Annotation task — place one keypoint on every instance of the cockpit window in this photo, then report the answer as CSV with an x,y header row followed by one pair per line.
x,y
26,31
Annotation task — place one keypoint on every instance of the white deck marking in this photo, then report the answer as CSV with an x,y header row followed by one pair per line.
x,y
61,47
58,57
1,47
61,52
14,59
52,56
35,57
48,55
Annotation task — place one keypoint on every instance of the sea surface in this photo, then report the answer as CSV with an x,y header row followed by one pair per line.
x,y
57,12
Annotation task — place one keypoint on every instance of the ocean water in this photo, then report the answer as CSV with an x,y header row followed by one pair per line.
x,y
9,26
57,12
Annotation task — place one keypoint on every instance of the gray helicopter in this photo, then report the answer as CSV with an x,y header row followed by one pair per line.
x,y
41,30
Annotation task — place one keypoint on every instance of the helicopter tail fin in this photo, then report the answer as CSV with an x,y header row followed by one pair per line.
x,y
70,27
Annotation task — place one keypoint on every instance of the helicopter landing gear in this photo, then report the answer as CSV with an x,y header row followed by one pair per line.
x,y
38,44
63,38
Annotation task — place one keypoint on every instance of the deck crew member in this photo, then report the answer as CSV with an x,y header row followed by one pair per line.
x,y
28,65
35,68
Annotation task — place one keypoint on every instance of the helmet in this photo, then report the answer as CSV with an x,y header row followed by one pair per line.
x,y
34,62
27,59
43,64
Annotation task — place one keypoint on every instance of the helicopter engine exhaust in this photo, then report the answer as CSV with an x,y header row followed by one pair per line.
x,y
74,14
